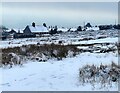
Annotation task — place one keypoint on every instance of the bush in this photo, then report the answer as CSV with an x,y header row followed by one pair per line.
x,y
103,74
39,52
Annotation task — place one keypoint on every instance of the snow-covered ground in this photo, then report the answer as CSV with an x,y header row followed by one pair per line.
x,y
54,75
20,42
66,38
62,75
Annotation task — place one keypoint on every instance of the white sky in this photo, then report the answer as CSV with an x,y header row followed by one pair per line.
x,y
60,0
18,15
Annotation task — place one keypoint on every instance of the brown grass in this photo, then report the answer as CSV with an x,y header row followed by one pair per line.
x,y
62,51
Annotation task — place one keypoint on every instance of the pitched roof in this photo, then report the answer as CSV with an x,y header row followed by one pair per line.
x,y
38,28
16,30
73,29
92,28
63,29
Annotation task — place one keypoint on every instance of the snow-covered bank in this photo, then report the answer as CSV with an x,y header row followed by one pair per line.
x,y
54,75
20,42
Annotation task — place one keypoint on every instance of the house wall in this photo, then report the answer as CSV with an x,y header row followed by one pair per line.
x,y
21,35
27,31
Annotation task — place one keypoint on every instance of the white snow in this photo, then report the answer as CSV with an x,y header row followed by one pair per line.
x,y
8,30
63,29
47,40
105,40
16,30
54,75
19,31
73,29
92,28
38,28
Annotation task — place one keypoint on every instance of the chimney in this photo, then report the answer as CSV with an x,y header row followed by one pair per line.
x,y
33,24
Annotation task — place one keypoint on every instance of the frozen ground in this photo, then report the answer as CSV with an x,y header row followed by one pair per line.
x,y
54,75
85,37
61,75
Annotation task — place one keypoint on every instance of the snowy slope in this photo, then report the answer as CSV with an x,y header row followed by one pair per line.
x,y
54,75
61,75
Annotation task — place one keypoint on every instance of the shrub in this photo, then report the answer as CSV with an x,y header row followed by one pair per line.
x,y
103,74
39,52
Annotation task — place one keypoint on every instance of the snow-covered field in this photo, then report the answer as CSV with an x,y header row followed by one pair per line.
x,y
85,37
62,75
54,75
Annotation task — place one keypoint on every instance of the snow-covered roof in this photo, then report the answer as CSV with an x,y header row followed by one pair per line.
x,y
38,28
19,31
16,30
73,29
63,29
92,28
8,30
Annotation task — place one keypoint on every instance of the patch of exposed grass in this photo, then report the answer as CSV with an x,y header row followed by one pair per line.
x,y
39,51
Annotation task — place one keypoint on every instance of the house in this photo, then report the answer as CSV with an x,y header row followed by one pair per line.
x,y
116,26
92,28
35,29
72,29
11,31
14,33
20,34
3,34
105,27
62,29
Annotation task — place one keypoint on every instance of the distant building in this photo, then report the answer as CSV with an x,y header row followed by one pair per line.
x,y
62,29
35,29
12,33
92,28
116,26
88,25
73,29
105,27
3,34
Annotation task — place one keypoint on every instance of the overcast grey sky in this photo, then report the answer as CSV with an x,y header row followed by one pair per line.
x,y
20,14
